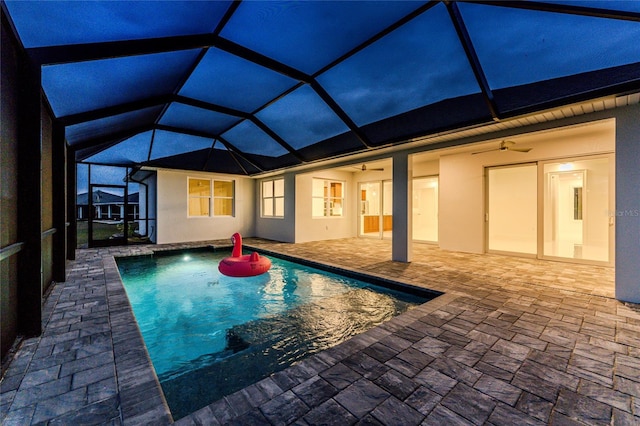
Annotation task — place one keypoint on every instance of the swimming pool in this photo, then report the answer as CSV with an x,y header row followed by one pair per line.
x,y
209,335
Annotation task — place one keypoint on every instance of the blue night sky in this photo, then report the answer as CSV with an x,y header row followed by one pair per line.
x,y
418,64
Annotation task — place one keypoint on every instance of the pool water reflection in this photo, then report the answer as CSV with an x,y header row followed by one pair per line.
x,y
209,335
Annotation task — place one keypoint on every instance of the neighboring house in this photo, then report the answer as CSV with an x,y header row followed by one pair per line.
x,y
107,206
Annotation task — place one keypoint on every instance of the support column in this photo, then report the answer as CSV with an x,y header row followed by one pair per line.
x,y
401,248
289,236
59,203
627,213
29,200
72,209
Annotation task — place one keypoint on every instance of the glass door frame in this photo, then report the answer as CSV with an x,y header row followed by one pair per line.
x,y
610,208
541,205
487,213
437,178
381,220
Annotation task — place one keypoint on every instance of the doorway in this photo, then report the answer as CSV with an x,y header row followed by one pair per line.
x,y
511,217
577,200
108,218
557,210
376,209
425,209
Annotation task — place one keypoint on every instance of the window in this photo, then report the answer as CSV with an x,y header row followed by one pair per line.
x,y
223,198
327,198
199,197
273,198
202,200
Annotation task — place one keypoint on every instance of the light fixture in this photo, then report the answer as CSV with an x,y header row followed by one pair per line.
x,y
565,167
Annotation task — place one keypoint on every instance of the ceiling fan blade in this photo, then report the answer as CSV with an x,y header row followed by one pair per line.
x,y
364,168
486,150
520,149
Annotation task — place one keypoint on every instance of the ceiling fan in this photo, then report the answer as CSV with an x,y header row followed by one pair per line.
x,y
364,168
505,146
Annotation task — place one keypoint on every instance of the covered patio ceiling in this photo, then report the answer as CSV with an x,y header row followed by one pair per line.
x,y
251,87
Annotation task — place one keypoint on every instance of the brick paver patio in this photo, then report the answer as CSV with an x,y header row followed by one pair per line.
x,y
511,341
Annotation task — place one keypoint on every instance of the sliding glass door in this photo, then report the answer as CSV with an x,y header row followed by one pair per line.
x,y
511,216
425,209
376,209
577,206
552,209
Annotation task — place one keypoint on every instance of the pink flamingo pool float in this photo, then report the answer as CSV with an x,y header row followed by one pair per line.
x,y
239,265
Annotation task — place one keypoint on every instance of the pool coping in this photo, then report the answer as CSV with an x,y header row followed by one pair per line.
x,y
142,399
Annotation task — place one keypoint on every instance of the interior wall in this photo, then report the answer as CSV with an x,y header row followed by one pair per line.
x,y
422,168
175,226
308,228
8,192
462,189
278,228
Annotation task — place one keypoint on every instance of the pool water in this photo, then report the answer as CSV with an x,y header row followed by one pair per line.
x,y
209,335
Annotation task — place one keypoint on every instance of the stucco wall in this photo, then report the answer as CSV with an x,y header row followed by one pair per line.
x,y
281,228
173,223
627,211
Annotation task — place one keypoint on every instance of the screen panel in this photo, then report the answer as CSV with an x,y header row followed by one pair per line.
x,y
301,118
90,85
224,79
109,125
418,64
166,144
310,35
517,47
189,117
249,138
74,22
134,150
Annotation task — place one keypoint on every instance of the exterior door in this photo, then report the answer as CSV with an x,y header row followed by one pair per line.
x,y
376,209
425,209
512,209
370,209
108,219
578,224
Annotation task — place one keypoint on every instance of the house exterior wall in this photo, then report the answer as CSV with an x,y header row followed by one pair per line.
x,y
280,229
173,222
152,194
627,211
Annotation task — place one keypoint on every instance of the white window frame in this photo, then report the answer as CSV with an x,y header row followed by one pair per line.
x,y
272,197
212,197
328,200
232,198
